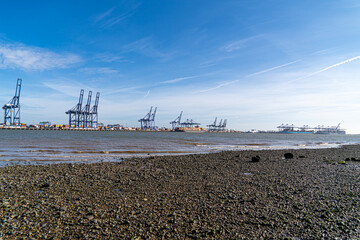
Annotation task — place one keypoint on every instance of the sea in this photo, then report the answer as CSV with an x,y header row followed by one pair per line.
x,y
46,147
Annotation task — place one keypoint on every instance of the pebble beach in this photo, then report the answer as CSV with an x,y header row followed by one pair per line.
x,y
311,194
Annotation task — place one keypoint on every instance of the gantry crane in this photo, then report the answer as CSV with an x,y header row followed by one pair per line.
x,y
12,108
86,117
85,113
148,121
94,112
176,123
75,112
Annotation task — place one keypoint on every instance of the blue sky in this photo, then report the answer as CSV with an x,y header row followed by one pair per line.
x,y
257,63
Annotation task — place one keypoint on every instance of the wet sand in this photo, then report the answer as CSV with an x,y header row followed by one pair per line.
x,y
314,195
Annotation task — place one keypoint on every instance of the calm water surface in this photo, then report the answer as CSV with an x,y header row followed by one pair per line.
x,y
43,147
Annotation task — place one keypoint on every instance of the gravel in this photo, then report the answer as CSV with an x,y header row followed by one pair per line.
x,y
226,195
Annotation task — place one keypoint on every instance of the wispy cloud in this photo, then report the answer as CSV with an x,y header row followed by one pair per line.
x,y
146,47
236,45
63,86
177,80
138,45
212,62
271,69
218,86
17,56
98,70
109,58
114,16
103,15
250,75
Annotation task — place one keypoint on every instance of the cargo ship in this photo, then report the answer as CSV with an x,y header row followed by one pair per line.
x,y
196,129
330,130
292,129
188,126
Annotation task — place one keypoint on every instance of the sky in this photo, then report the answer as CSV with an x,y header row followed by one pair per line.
x,y
257,63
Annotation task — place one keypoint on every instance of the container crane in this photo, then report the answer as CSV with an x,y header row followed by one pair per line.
x,y
75,112
85,113
176,123
12,108
94,112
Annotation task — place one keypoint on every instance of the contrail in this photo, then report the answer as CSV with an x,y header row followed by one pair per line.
x,y
147,94
325,69
218,86
178,79
332,66
270,69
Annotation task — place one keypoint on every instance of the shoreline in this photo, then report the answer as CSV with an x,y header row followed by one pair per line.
x,y
219,195
115,156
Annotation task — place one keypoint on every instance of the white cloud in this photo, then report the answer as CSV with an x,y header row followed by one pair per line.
x,y
64,87
112,17
104,15
99,70
109,58
178,79
236,45
33,58
146,47
218,86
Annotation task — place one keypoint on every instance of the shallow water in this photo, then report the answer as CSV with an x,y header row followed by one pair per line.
x,y
43,147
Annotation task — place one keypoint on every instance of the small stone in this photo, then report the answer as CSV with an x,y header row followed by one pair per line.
x,y
89,216
288,155
45,185
255,159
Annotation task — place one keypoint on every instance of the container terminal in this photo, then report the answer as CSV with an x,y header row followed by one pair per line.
x,y
85,118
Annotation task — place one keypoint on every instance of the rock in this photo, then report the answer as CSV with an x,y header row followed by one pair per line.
x,y
45,185
255,159
89,216
288,155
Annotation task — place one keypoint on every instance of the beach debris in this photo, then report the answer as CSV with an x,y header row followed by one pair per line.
x,y
255,159
351,159
288,155
248,174
342,162
302,156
